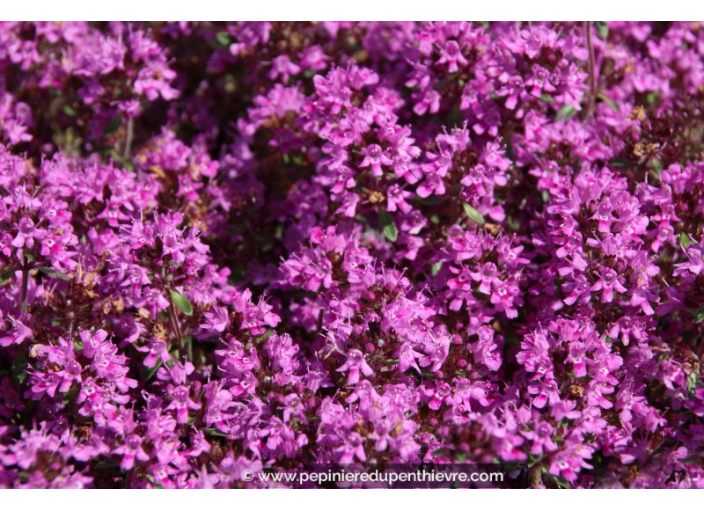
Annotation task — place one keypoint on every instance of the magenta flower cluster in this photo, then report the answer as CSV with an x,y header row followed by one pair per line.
x,y
250,246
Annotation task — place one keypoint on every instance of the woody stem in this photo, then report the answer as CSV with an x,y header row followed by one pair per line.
x,y
592,71
25,285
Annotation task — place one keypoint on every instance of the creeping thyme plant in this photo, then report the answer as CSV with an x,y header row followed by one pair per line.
x,y
261,246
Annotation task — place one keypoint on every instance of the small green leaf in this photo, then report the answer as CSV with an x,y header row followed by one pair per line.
x,y
565,113
513,224
547,98
113,125
685,240
215,432
560,482
461,456
692,384
181,302
223,39
473,214
53,272
263,337
603,29
68,110
656,168
608,101
388,226
692,380
150,372
6,277
698,314
533,460
435,268
19,368
619,163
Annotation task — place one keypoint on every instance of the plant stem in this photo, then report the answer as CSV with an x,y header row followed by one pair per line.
x,y
173,314
128,139
592,71
189,349
25,285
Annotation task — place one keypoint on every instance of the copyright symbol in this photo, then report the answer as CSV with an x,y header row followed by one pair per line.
x,y
247,475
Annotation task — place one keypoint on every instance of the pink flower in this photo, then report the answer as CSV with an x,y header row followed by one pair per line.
x,y
354,365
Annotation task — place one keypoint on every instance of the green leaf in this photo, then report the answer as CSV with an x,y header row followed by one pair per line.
x,y
181,302
692,383
565,113
534,459
619,163
547,98
692,380
608,101
150,372
19,368
656,168
513,224
560,482
53,272
698,314
215,432
461,456
435,268
388,226
6,277
473,214
263,337
603,29
68,110
685,240
223,39
113,125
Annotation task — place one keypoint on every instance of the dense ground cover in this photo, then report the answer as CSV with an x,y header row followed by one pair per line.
x,y
266,245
